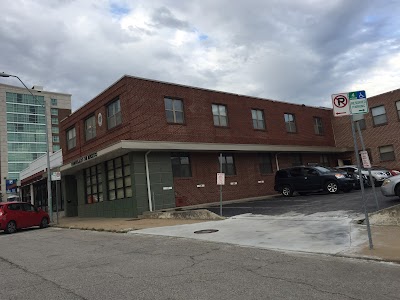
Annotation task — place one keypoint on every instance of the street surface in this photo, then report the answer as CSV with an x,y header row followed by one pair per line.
x,y
72,264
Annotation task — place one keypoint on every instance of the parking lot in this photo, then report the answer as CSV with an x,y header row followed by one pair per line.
x,y
313,203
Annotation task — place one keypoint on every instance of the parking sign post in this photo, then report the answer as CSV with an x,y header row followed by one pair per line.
x,y
220,182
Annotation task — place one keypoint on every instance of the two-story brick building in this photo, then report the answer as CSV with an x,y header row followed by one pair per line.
x,y
142,145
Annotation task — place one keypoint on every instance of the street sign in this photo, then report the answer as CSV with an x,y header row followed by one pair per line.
x,y
220,178
365,159
353,103
341,106
358,103
11,186
55,176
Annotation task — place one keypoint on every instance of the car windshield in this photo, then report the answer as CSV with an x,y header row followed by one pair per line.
x,y
325,169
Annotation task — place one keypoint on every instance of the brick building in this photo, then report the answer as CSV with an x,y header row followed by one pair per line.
x,y
380,129
142,145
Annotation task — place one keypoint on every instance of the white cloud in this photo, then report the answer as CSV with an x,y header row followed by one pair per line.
x,y
297,51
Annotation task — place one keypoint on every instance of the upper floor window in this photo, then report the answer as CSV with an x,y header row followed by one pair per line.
x,y
398,108
56,139
90,128
55,130
258,119
71,138
228,164
54,121
379,115
318,126
386,153
220,115
56,148
181,165
54,112
114,114
290,122
174,110
265,163
54,102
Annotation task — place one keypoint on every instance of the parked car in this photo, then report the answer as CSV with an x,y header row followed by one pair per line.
x,y
379,174
17,215
311,179
393,172
391,186
354,172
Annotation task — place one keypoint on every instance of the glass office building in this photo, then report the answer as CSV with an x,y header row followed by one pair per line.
x,y
26,131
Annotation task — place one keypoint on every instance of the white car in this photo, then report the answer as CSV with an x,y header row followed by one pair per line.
x,y
378,174
391,186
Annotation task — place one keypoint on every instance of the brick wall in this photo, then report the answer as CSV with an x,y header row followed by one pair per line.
x,y
374,136
143,118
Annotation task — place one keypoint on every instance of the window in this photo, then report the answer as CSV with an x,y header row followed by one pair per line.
x,y
290,122
318,126
71,138
114,114
398,108
119,184
228,164
386,153
56,148
220,115
296,160
181,165
258,119
174,110
265,163
90,128
93,184
56,139
55,130
54,112
360,120
379,115
54,102
54,121
324,160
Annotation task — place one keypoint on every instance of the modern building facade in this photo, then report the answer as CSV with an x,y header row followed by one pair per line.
x,y
22,127
144,145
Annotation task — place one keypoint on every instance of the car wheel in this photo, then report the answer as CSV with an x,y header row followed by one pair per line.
x,y
11,227
44,223
287,191
331,187
397,190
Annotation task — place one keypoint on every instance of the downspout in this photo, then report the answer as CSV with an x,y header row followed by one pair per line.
x,y
276,161
148,180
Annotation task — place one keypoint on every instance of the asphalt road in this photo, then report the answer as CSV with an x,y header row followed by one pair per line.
x,y
310,204
72,264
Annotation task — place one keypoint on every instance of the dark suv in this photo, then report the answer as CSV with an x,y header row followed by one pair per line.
x,y
311,179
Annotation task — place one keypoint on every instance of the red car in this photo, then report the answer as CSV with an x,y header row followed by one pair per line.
x,y
16,215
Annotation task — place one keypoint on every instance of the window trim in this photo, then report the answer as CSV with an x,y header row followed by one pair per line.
x,y
174,111
380,153
180,155
115,100
294,122
67,137
373,118
263,119
322,131
219,116
94,131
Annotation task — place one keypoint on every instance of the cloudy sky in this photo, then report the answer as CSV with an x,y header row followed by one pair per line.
x,y
298,51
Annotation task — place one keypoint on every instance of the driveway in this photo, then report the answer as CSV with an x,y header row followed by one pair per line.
x,y
319,223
